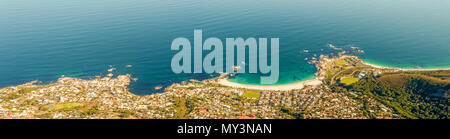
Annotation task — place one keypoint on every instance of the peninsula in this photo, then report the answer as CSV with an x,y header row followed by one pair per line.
x,y
345,87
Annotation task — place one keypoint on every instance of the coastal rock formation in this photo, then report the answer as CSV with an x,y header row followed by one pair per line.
x,y
339,96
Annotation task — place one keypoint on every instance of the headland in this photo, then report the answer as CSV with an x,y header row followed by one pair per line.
x,y
344,88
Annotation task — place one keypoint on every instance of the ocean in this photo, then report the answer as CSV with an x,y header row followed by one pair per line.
x,y
44,40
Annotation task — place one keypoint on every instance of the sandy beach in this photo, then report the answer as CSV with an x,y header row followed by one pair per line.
x,y
301,84
384,67
283,87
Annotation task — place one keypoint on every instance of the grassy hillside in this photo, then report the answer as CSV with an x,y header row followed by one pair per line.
x,y
412,94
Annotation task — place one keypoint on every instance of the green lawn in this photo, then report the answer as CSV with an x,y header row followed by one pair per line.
x,y
251,94
64,106
341,62
349,80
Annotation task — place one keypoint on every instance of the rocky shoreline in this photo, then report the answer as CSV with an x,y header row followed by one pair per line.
x,y
311,82
108,97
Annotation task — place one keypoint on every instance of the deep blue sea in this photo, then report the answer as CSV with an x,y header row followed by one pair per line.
x,y
45,39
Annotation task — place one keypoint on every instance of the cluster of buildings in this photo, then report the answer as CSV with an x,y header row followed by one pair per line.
x,y
320,102
108,97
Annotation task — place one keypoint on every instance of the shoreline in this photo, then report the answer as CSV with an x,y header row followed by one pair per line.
x,y
281,87
402,69
312,82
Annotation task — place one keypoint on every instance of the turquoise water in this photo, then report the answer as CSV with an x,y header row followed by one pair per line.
x,y
42,40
